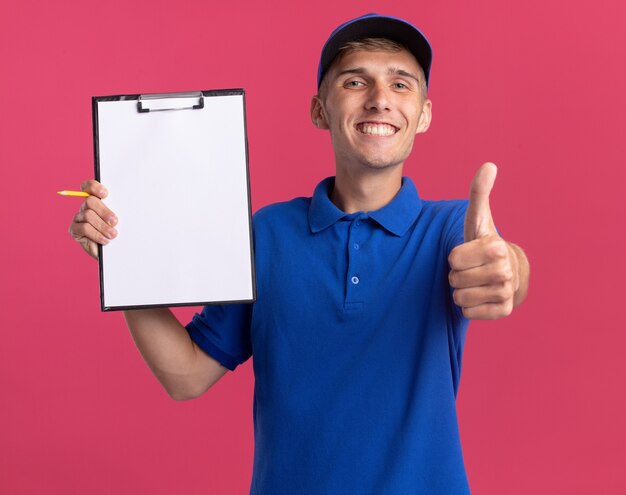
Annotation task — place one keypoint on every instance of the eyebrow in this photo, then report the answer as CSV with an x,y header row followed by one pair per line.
x,y
390,71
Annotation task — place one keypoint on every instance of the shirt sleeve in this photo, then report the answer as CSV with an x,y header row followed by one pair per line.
x,y
453,236
223,332
454,229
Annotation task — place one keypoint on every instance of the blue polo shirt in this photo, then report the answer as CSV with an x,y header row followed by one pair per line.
x,y
357,347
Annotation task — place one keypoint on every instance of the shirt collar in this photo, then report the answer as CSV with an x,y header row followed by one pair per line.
x,y
396,217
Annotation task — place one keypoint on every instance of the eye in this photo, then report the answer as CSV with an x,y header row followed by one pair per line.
x,y
354,84
400,85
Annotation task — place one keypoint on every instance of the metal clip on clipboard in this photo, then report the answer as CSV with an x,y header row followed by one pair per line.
x,y
169,101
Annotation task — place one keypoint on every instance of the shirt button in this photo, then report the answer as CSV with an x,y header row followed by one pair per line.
x,y
355,280
357,223
356,246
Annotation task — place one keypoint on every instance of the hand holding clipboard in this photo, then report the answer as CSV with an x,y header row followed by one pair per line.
x,y
94,223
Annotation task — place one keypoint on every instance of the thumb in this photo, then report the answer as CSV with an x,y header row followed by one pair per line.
x,y
478,220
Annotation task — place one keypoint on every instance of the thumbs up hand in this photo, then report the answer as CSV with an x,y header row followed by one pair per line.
x,y
485,268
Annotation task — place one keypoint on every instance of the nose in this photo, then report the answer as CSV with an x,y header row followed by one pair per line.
x,y
378,98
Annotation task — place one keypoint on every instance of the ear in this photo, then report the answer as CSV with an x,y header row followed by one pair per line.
x,y
318,117
425,117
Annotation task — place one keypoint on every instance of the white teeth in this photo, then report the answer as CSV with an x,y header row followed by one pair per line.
x,y
376,129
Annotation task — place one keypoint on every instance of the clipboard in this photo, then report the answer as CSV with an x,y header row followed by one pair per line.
x,y
176,168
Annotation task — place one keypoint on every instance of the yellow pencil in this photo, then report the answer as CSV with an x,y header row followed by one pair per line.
x,y
74,193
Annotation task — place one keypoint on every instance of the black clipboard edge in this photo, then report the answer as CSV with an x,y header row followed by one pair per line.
x,y
251,232
96,154
96,149
107,309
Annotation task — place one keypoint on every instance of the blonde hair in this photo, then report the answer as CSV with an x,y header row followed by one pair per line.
x,y
371,45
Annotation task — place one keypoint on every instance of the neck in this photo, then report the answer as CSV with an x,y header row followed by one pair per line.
x,y
368,191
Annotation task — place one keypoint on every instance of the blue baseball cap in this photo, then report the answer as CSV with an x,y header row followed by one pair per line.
x,y
377,26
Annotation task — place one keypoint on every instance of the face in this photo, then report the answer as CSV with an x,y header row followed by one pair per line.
x,y
373,107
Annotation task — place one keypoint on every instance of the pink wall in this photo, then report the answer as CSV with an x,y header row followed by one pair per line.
x,y
535,86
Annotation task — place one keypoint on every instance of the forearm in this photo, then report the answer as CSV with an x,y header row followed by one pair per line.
x,y
179,365
523,274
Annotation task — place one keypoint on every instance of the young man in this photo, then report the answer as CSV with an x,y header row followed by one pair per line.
x,y
364,294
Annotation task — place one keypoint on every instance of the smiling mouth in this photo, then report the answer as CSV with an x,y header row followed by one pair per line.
x,y
376,129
